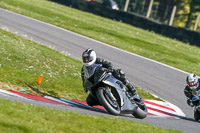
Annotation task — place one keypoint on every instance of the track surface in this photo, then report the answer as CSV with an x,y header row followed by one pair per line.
x,y
156,78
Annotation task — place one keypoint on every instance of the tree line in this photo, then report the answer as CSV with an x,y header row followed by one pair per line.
x,y
185,16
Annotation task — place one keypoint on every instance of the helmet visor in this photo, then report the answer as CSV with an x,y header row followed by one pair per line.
x,y
86,58
192,84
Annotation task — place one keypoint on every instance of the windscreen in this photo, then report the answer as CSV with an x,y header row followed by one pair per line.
x,y
89,70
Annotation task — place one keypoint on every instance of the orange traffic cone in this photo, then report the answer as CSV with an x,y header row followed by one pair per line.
x,y
39,80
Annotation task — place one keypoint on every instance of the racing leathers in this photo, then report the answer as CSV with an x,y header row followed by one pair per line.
x,y
117,73
189,93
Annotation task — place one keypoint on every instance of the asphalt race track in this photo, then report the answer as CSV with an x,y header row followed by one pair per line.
x,y
156,78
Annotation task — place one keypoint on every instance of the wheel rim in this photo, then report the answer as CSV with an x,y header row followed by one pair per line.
x,y
111,102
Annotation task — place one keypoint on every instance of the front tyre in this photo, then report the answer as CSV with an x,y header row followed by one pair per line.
x,y
107,102
141,111
196,114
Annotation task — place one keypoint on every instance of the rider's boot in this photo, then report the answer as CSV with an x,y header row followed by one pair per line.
x,y
131,89
133,95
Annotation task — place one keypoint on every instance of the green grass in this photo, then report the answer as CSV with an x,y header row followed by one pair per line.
x,y
27,118
148,44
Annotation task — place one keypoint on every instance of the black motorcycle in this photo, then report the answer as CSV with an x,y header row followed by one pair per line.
x,y
112,93
196,103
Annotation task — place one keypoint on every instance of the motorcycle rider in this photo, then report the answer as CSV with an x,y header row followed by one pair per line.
x,y
89,58
192,87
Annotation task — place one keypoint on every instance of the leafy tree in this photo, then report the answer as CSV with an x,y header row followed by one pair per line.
x,y
194,9
186,11
181,12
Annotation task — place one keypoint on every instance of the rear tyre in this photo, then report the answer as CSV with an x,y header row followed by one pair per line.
x,y
111,106
141,111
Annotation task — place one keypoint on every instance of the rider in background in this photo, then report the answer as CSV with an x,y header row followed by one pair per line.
x,y
192,87
89,58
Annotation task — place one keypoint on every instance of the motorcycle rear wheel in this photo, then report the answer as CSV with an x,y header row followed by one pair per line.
x,y
141,112
106,102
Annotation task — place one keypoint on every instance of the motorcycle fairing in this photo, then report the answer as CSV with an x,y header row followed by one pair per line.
x,y
126,105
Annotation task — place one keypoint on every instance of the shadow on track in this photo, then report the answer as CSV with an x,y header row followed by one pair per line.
x,y
189,119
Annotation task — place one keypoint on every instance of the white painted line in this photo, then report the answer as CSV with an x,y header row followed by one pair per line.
x,y
166,104
160,108
158,114
10,93
55,99
177,109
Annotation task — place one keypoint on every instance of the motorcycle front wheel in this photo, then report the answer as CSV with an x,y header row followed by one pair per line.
x,y
107,102
196,114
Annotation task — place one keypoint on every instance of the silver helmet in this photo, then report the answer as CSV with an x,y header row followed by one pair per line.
x,y
192,81
89,57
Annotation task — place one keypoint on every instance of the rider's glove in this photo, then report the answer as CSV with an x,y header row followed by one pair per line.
x,y
189,102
